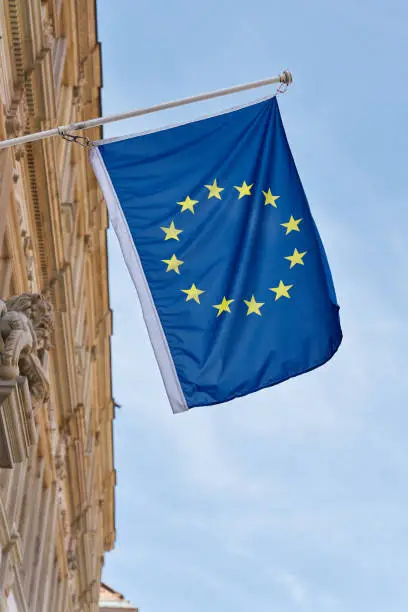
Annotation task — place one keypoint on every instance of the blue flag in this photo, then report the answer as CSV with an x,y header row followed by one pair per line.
x,y
218,237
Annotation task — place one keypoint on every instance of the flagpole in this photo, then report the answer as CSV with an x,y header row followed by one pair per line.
x,y
285,78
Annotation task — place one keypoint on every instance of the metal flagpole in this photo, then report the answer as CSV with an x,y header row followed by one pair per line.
x,y
285,78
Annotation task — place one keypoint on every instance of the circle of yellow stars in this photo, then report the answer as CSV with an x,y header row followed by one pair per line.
x,y
193,293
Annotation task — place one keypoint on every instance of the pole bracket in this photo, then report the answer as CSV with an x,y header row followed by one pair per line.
x,y
83,141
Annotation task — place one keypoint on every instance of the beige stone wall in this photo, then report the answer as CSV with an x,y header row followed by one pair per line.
x,y
57,480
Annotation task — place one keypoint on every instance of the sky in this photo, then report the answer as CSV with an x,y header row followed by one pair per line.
x,y
294,499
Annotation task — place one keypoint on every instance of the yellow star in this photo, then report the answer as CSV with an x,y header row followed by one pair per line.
x,y
244,190
214,190
173,264
224,306
292,225
296,258
270,199
193,293
188,204
281,290
254,306
171,232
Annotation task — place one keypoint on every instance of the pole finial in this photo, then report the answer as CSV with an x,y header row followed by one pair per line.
x,y
286,77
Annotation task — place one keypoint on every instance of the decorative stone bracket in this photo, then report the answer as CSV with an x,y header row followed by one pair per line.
x,y
17,425
26,322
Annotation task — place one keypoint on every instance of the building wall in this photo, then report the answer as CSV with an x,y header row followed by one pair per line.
x,y
57,482
112,601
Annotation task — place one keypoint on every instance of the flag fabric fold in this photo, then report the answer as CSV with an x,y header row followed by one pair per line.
x,y
218,237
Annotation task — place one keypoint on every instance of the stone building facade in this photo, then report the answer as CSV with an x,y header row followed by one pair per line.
x,y
56,410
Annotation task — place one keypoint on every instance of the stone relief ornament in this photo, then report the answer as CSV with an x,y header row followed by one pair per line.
x,y
29,257
72,556
60,457
48,33
26,323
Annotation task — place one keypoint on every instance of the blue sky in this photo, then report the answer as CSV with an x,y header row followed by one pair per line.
x,y
293,499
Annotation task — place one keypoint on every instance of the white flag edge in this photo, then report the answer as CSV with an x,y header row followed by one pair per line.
x,y
131,256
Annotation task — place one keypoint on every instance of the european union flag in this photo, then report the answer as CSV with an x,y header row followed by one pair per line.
x,y
218,237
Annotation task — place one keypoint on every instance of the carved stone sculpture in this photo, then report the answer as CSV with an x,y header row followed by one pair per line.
x,y
26,322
